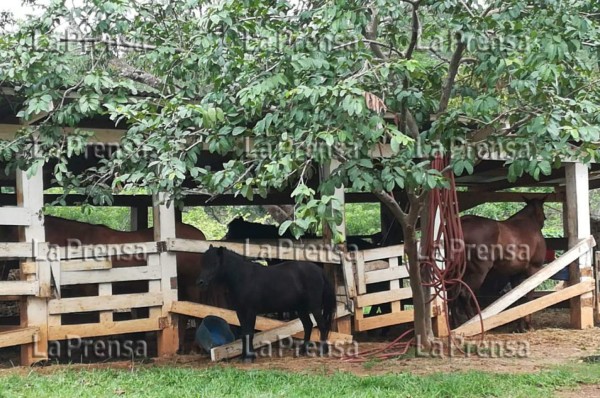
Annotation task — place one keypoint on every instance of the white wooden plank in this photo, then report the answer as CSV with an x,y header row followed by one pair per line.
x,y
104,293
18,336
522,310
164,228
349,282
16,250
383,297
379,321
383,253
114,302
260,339
361,282
578,227
535,280
93,252
303,252
34,312
85,265
124,274
386,275
19,288
376,265
13,215
395,284
65,332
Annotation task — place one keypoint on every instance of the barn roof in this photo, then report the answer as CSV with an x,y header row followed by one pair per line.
x,y
490,173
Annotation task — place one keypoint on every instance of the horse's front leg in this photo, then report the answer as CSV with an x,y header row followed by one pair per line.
x,y
247,321
308,326
524,323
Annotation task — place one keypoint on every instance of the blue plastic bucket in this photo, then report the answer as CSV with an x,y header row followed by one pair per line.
x,y
213,332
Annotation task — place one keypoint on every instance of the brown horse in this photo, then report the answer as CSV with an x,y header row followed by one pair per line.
x,y
63,232
514,248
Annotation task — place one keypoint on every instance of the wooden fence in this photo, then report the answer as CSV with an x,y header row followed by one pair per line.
x,y
498,314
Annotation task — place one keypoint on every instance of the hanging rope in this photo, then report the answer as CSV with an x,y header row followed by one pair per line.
x,y
446,278
443,270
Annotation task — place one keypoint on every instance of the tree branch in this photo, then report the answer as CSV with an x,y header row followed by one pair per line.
x,y
129,72
371,34
455,62
393,205
416,27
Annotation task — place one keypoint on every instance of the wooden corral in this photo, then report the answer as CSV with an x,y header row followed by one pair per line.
x,y
43,307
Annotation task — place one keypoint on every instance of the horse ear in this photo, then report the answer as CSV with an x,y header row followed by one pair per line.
x,y
545,198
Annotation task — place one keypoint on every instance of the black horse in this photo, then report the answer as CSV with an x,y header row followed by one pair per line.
x,y
255,289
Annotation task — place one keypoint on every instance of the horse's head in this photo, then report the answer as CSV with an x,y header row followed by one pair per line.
x,y
233,228
211,267
536,207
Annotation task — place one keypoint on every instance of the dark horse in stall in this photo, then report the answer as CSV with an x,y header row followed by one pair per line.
x,y
240,229
255,289
512,249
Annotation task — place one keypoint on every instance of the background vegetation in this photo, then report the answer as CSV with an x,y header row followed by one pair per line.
x,y
361,218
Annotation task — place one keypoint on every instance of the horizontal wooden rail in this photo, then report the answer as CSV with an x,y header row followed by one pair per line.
x,y
105,303
522,310
383,253
124,274
383,297
386,275
95,252
380,321
65,332
17,250
19,288
17,336
304,252
18,216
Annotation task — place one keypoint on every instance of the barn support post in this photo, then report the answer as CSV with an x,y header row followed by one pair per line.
x,y
138,218
164,228
578,227
34,309
334,271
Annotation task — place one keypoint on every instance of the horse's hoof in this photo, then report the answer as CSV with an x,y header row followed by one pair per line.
x,y
248,360
324,349
41,364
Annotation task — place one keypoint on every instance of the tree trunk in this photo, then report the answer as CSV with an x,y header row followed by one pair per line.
x,y
421,298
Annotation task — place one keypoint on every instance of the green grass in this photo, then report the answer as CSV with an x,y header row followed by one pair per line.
x,y
231,382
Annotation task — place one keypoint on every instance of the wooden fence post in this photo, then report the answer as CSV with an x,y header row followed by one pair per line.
x,y
578,227
164,228
34,309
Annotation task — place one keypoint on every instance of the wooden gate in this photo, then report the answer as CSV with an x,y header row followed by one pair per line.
x,y
497,313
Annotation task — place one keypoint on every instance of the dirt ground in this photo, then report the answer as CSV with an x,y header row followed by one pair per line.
x,y
505,353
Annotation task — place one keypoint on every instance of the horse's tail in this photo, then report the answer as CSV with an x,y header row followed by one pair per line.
x,y
329,305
